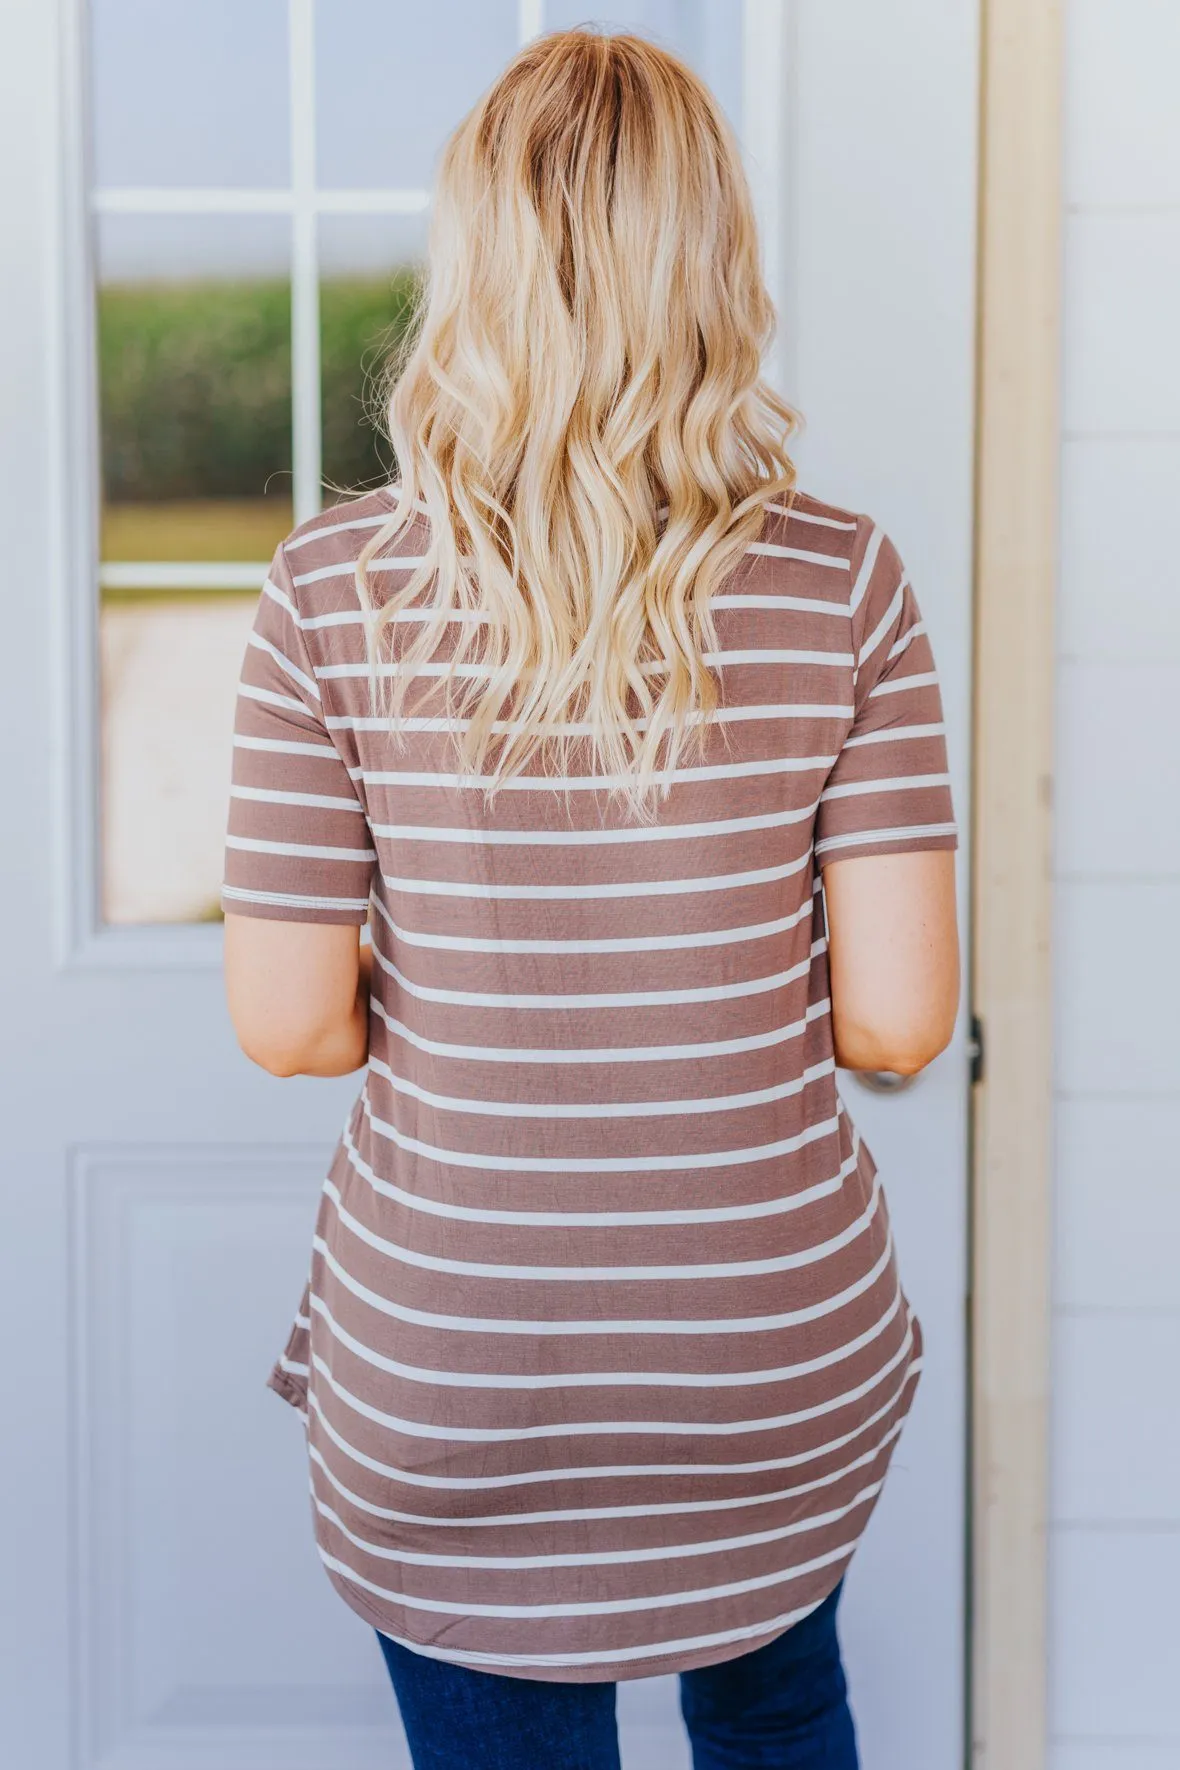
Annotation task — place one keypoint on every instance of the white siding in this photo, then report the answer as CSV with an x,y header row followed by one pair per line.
x,y
1115,1505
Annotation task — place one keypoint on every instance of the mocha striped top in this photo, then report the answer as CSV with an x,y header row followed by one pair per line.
x,y
603,1351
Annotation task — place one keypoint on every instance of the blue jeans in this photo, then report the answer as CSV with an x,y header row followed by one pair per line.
x,y
782,1707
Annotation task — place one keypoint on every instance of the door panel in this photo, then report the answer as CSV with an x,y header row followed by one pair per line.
x,y
166,1610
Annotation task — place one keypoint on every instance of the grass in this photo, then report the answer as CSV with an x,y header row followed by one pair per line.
x,y
195,386
154,596
196,528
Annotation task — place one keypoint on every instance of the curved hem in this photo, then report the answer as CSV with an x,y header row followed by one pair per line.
x,y
658,1665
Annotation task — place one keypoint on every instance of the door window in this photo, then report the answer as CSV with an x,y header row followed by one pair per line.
x,y
259,200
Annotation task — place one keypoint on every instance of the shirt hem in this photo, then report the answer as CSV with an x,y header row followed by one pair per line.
x,y
657,1665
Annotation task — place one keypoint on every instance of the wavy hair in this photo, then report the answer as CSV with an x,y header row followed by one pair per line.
x,y
579,413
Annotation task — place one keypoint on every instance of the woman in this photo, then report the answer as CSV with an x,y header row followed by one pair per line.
x,y
604,1351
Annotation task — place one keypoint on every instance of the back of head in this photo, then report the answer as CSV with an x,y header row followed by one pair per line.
x,y
581,410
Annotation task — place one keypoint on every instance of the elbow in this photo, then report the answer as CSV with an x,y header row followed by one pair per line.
x,y
910,1059
277,1058
899,1050
328,1048
287,1050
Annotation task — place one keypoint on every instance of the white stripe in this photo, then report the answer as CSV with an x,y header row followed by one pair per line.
x,y
866,569
722,715
899,684
771,550
589,1514
298,850
759,655
894,733
914,833
601,1109
601,1557
291,901
513,1326
579,1054
272,796
606,1472
548,1610
597,892
837,659
342,617
808,605
268,698
775,1207
897,784
827,522
346,568
777,655
529,1382
642,1163
720,992
324,752
633,943
793,1262
292,1368
335,528
906,639
279,595
604,1428
478,617
656,1649
359,617
883,625
288,668
404,1256
715,771
594,838
339,528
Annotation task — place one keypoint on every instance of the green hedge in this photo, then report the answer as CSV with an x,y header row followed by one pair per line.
x,y
195,384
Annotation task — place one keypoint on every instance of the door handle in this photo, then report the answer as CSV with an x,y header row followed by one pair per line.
x,y
883,1081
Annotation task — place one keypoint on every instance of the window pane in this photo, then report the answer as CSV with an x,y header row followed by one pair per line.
x,y
370,266
189,95
169,673
384,111
194,357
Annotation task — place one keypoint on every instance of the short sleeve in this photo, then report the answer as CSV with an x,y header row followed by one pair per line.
x,y
297,847
888,791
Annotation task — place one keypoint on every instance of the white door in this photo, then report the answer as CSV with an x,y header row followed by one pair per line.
x,y
239,181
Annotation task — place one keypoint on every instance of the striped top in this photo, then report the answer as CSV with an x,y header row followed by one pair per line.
x,y
603,1351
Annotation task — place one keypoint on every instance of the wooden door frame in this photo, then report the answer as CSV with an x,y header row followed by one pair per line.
x,y
1018,449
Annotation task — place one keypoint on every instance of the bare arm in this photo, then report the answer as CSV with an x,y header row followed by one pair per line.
x,y
894,955
298,994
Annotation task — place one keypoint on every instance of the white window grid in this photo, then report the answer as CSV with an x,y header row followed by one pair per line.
x,y
766,62
769,109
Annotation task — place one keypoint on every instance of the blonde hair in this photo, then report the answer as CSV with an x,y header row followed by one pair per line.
x,y
580,415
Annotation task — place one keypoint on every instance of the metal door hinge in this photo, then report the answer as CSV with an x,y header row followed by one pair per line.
x,y
975,1049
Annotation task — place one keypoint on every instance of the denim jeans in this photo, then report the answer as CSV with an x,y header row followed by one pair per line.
x,y
782,1707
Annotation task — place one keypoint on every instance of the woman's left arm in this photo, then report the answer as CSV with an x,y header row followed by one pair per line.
x,y
298,994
